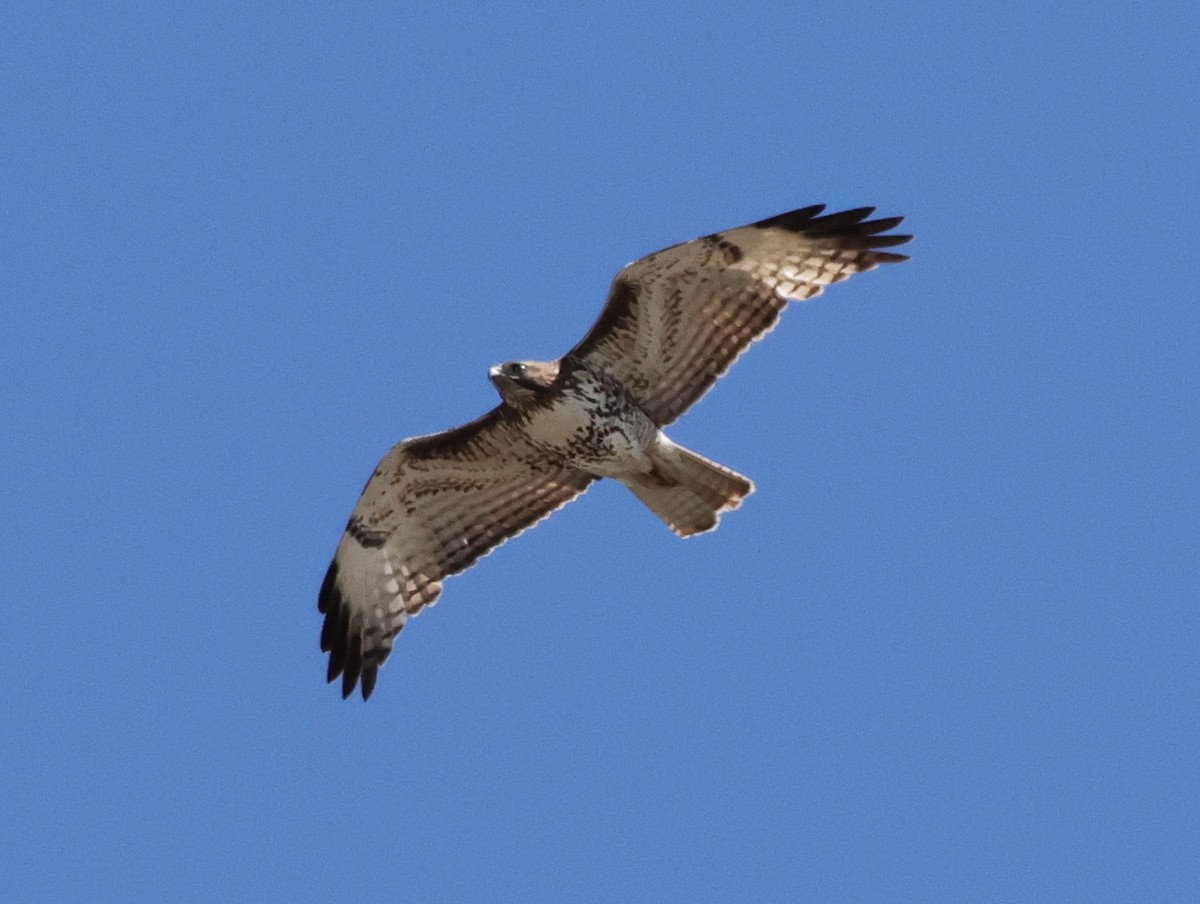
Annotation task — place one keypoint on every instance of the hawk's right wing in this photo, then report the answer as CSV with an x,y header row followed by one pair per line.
x,y
676,320
434,505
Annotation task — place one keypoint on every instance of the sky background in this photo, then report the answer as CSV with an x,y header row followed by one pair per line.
x,y
949,651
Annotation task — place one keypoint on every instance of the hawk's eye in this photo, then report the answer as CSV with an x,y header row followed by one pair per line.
x,y
518,370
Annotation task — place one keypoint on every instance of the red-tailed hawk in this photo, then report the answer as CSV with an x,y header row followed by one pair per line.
x,y
674,322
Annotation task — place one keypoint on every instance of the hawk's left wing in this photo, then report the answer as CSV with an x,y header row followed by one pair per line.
x,y
676,320
434,505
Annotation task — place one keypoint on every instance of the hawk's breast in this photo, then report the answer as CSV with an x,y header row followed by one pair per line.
x,y
590,421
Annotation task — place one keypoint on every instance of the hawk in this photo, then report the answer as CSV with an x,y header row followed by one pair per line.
x,y
674,322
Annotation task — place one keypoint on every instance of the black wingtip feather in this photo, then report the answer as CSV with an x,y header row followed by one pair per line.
x,y
842,218
325,597
888,241
883,224
793,220
334,669
352,667
342,638
850,228
335,632
369,674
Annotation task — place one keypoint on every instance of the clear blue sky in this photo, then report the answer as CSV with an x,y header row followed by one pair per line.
x,y
949,651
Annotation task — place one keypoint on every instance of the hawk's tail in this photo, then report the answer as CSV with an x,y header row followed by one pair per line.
x,y
686,490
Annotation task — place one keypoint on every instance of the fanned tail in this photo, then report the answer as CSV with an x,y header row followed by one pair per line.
x,y
686,490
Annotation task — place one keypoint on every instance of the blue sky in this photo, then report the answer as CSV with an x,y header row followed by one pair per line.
x,y
948,651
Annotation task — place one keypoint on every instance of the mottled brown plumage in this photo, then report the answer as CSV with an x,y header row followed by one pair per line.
x,y
674,322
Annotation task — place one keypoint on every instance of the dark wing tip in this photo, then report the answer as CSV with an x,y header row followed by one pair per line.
x,y
354,661
847,228
349,681
793,220
369,674
325,599
341,638
883,224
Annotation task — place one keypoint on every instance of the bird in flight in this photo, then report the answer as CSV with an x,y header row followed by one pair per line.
x,y
674,322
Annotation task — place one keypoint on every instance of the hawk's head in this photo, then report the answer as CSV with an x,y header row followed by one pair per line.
x,y
522,381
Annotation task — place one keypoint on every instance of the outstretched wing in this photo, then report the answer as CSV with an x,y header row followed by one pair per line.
x,y
676,320
434,505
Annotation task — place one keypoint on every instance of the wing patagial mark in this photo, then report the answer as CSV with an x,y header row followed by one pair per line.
x,y
371,539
